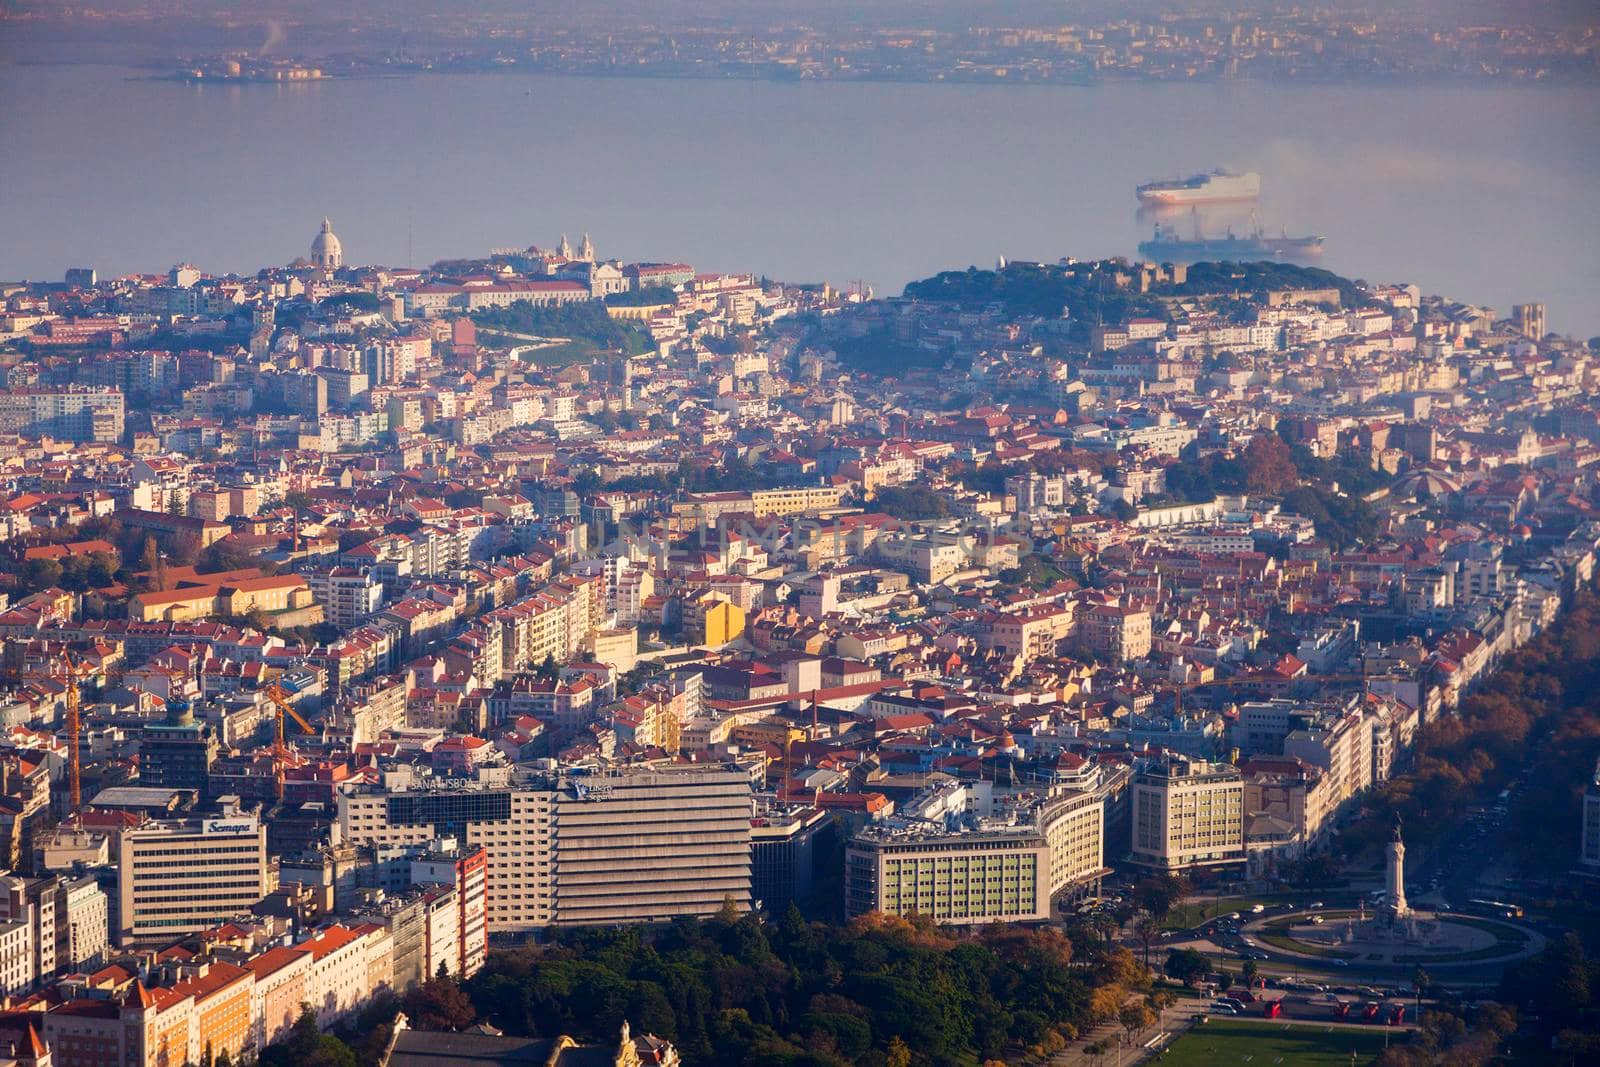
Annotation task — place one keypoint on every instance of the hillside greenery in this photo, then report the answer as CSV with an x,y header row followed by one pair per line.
x,y
646,297
1087,296
582,321
1045,291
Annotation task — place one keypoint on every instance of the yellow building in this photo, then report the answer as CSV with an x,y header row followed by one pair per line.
x,y
712,620
272,595
222,1001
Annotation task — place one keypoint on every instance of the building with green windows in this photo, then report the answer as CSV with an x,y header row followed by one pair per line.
x,y
959,877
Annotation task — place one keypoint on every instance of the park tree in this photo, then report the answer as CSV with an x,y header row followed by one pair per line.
x,y
308,1046
1135,1017
1249,972
439,1004
1268,466
1159,894
41,573
1187,965
1148,931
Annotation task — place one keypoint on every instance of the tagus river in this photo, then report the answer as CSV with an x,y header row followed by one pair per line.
x,y
1484,193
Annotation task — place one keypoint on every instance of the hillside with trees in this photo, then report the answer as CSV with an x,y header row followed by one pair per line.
x,y
1087,296
583,321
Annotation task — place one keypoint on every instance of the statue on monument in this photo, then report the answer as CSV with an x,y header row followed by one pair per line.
x,y
1395,877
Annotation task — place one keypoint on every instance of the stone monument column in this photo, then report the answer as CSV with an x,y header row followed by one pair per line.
x,y
1395,877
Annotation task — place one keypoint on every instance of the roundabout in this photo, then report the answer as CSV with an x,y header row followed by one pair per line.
x,y
1394,934
1421,938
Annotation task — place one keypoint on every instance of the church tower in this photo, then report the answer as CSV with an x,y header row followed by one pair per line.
x,y
564,249
586,251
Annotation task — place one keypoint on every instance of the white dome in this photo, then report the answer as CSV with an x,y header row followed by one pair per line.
x,y
326,251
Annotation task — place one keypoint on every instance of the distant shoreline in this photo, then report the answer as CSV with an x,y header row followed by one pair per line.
x,y
1085,82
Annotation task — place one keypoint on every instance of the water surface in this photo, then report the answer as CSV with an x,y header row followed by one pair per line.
x,y
1487,194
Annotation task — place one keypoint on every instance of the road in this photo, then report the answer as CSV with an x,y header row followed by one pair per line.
x,y
1175,1020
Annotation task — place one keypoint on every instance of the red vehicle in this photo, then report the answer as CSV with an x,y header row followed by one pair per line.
x,y
1397,1015
1272,1009
1370,1012
1342,1010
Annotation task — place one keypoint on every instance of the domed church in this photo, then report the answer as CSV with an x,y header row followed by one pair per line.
x,y
326,252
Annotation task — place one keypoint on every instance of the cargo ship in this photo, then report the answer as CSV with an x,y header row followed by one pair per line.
x,y
1168,246
1215,188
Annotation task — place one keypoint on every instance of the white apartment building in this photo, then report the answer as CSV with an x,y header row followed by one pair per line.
x,y
32,902
16,956
349,596
83,935
74,413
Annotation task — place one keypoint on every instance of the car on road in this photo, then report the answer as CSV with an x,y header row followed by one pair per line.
x,y
1315,904
1316,920
1223,1009
1258,909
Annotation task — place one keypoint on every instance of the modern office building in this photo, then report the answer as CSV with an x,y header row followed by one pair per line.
x,y
1187,813
639,846
964,877
627,844
965,855
784,841
182,876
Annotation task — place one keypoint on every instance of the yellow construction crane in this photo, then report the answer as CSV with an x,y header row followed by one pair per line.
x,y
279,696
71,669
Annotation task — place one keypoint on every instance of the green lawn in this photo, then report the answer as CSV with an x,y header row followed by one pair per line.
x,y
1271,1044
